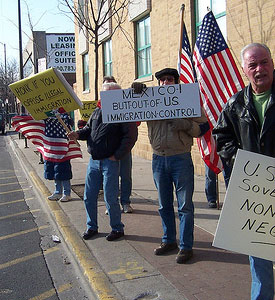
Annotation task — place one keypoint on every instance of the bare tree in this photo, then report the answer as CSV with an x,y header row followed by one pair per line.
x,y
94,18
8,74
262,32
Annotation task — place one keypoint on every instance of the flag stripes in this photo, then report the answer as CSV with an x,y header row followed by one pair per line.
x,y
52,148
218,78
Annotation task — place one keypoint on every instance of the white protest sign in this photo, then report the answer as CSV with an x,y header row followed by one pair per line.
x,y
153,103
247,221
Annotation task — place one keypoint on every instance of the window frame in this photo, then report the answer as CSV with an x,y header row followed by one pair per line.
x,y
145,47
217,16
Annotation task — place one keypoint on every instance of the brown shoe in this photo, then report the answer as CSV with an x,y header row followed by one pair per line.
x,y
183,256
165,247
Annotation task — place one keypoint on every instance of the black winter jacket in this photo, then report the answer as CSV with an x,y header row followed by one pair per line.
x,y
238,126
105,140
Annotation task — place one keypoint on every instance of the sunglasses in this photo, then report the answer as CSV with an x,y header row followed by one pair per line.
x,y
167,78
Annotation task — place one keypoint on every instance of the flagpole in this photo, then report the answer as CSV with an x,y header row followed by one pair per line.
x,y
57,114
181,27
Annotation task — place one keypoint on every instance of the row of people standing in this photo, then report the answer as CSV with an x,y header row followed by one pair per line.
x,y
247,122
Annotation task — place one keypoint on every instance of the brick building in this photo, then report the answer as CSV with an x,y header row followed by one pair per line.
x,y
151,31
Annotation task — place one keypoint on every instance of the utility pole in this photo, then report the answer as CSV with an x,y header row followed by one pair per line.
x,y
21,59
20,49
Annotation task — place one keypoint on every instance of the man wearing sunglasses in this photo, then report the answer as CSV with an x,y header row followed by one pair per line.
x,y
172,165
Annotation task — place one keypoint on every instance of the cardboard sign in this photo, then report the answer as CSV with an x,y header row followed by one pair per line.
x,y
45,93
247,220
153,103
87,109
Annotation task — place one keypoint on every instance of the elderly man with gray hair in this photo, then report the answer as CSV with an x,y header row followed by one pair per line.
x,y
248,122
107,144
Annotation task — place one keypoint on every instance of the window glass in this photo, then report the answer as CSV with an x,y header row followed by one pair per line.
x,y
202,9
218,8
222,24
143,34
107,58
85,61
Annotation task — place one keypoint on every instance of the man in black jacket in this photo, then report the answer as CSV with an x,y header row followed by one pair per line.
x,y
107,144
248,122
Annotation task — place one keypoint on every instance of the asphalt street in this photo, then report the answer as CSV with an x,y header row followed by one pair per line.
x,y
32,264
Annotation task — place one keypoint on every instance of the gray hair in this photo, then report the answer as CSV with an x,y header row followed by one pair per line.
x,y
110,86
252,45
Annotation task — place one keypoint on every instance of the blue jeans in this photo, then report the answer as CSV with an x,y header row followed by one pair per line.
x,y
262,286
62,186
210,185
210,182
125,173
104,172
177,170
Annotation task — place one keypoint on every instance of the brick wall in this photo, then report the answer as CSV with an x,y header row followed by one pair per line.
x,y
242,15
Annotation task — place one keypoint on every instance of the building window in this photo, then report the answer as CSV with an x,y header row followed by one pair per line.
x,y
107,58
143,42
85,66
81,12
218,8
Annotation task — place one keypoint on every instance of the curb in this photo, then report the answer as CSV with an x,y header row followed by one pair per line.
x,y
98,280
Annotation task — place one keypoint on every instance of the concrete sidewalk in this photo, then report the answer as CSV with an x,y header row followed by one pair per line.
x,y
128,268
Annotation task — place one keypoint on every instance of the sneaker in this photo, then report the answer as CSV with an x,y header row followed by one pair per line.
x,y
106,212
183,256
114,235
212,204
89,233
65,198
165,247
127,209
55,197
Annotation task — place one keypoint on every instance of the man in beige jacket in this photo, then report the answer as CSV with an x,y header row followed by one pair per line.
x,y
172,165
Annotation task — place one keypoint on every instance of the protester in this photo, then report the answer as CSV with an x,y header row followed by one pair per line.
x,y
211,184
172,164
107,144
248,122
125,172
60,172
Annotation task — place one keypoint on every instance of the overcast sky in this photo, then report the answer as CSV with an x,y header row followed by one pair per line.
x,y
45,16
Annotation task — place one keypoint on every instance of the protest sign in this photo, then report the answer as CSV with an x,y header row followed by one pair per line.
x,y
153,103
87,109
247,221
44,93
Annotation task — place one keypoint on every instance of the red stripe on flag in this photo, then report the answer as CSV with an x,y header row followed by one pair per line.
x,y
236,71
55,149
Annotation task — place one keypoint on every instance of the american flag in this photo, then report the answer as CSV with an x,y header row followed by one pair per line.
x,y
185,65
49,136
218,78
